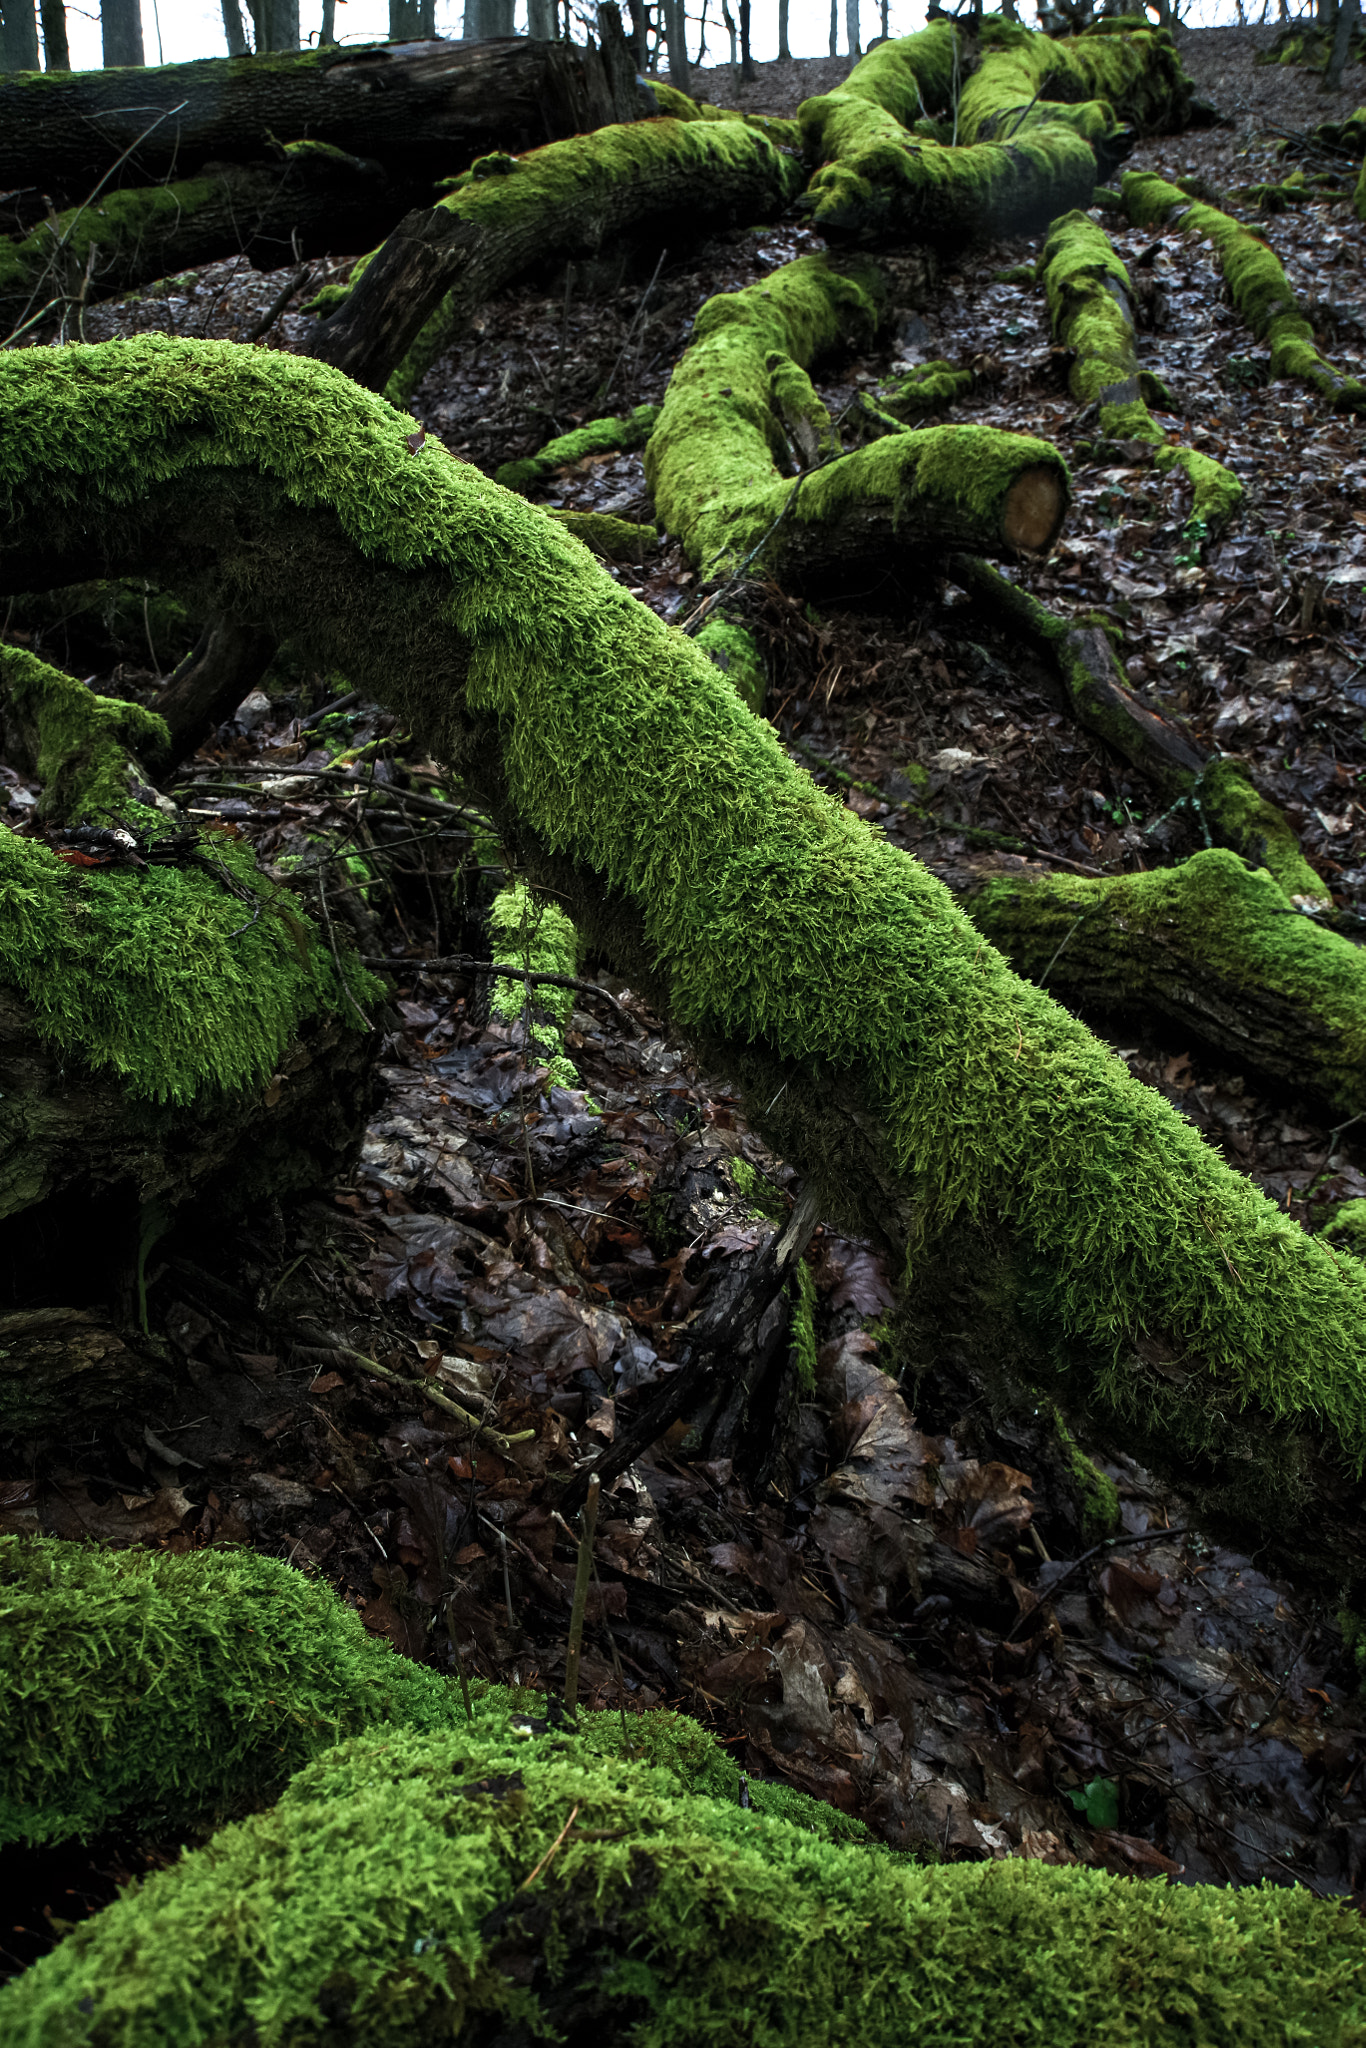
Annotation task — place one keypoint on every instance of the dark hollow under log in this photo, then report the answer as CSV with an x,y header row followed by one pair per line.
x,y
225,665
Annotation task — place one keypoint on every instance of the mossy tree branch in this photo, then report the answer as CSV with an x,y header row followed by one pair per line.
x,y
934,1098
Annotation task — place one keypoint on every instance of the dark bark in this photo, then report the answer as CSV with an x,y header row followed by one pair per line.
x,y
18,39
121,32
438,251
225,666
748,74
676,37
411,20
429,107
276,23
56,50
1349,14
234,29
314,201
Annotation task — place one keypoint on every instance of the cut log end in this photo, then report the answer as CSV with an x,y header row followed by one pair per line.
x,y
1034,508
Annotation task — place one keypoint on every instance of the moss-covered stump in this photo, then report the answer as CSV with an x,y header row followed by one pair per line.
x,y
616,434
143,1690
480,1887
168,1031
1090,303
734,412
129,237
410,299
1211,944
1256,282
427,108
933,1098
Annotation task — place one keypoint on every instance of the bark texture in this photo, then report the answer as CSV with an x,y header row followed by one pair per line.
x,y
430,107
936,1100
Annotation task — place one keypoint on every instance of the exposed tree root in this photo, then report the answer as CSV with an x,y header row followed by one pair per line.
x,y
932,1097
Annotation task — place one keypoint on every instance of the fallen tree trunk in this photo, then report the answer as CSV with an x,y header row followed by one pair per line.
x,y
1120,71
1211,944
430,107
311,201
740,401
938,1102
1256,281
507,214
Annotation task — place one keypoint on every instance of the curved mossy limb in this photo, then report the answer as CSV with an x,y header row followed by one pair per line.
x,y
615,435
1241,817
142,1689
421,1887
713,459
129,237
732,647
805,418
78,745
1256,283
412,296
533,935
886,93
1211,944
934,1099
1090,305
677,105
1025,78
615,540
929,387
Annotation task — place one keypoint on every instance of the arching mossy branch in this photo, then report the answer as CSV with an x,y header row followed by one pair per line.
x,y
713,459
931,1096
1212,945
1090,305
409,300
1256,283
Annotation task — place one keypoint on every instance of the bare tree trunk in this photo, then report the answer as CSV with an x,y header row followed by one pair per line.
x,y
729,19
1349,13
851,26
540,20
784,53
56,49
748,74
676,36
411,21
834,28
121,32
328,32
234,28
277,24
640,34
18,36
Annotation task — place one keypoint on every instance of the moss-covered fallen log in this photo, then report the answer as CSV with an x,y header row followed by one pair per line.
x,y
426,108
1213,945
741,403
613,435
424,1881
1090,303
413,295
1130,74
936,1100
313,199
1257,283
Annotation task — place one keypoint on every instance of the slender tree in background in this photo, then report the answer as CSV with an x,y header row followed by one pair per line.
x,y
487,18
411,21
834,28
1349,14
235,31
120,32
675,34
540,23
729,19
328,32
784,53
747,71
886,19
851,25
276,23
640,32
18,36
56,49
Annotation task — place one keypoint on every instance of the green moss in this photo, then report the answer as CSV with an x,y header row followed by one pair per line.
x,y
143,1689
118,225
713,459
1242,818
1349,1223
1256,281
804,1328
903,78
733,649
533,934
614,540
404,1889
782,933
596,437
1097,1495
1090,304
1026,79
677,105
79,742
929,387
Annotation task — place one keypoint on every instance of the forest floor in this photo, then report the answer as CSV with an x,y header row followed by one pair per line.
x,y
982,1679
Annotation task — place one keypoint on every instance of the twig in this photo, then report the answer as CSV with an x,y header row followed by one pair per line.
x,y
581,1575
459,1660
551,1850
1068,935
1110,1543
453,962
336,956
299,282
430,1393
635,318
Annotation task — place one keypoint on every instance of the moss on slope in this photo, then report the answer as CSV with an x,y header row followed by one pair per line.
x,y
780,929
421,1888
1256,281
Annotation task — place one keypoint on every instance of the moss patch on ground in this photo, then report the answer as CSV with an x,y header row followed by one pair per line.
x,y
1256,281
410,1887
78,743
